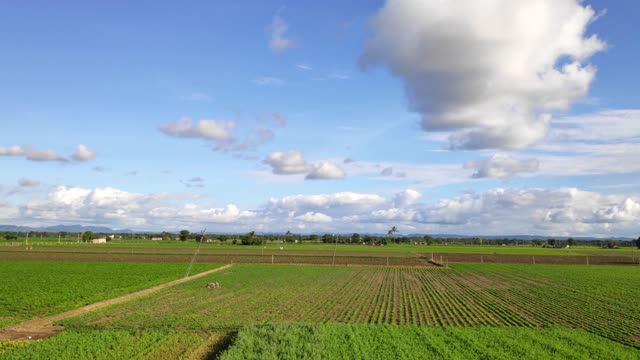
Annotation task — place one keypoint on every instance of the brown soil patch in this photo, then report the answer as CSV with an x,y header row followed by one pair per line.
x,y
40,328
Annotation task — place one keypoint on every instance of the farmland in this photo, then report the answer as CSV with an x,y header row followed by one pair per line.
x,y
469,310
342,341
600,300
396,254
114,344
44,288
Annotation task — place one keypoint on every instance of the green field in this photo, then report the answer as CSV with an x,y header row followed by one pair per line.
x,y
114,344
391,249
601,300
467,311
31,288
342,341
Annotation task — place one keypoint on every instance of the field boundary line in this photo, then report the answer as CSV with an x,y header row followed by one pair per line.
x,y
39,328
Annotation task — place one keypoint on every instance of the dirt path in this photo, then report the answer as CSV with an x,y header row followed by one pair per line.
x,y
40,328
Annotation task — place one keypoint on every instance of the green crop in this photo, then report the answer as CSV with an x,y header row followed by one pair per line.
x,y
601,300
32,288
342,341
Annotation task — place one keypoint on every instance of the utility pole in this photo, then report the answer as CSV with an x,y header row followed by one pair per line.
x,y
196,252
334,251
26,240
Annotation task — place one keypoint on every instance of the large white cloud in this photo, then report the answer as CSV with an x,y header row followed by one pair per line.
x,y
525,210
115,207
493,71
566,211
325,201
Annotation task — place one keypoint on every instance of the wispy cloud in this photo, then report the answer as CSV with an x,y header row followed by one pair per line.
x,y
81,154
197,96
28,182
279,41
194,182
269,81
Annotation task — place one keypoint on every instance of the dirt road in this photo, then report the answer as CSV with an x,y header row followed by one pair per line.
x,y
40,328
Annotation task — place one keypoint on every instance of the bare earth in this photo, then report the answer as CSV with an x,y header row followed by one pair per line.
x,y
40,328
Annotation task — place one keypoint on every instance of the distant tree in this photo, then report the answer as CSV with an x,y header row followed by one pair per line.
x,y
638,242
88,236
391,232
552,242
327,238
571,242
355,238
184,235
613,244
249,238
223,238
428,239
12,237
166,235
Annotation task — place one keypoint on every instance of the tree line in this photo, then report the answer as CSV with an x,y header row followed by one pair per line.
x,y
252,238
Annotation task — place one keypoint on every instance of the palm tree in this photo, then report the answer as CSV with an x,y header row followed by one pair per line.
x,y
392,230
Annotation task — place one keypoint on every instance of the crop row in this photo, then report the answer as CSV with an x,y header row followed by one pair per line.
x,y
467,295
340,341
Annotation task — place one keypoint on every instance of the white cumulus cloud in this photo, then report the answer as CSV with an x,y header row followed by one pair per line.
x,y
285,163
314,217
217,130
83,153
501,166
325,170
491,71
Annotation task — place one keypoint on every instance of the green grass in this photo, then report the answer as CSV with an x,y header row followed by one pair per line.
x,y
110,344
601,300
340,341
148,246
36,288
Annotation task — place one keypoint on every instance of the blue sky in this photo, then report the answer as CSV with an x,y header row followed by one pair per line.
x,y
507,118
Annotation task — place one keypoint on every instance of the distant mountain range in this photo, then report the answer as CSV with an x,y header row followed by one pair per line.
x,y
65,228
106,230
